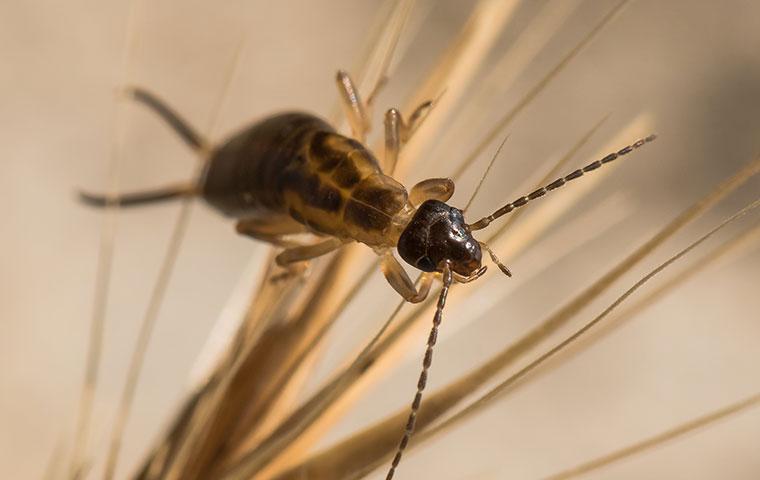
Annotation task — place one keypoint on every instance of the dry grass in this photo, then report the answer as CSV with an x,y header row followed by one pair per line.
x,y
277,401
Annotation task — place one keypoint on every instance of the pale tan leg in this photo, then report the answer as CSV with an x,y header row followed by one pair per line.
x,y
307,252
277,231
431,189
398,132
400,281
355,110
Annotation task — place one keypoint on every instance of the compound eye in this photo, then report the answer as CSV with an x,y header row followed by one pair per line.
x,y
425,264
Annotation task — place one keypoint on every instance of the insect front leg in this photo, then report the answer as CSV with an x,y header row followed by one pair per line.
x,y
440,189
400,281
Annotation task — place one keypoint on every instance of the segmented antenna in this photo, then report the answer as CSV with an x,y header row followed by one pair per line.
x,y
426,362
485,221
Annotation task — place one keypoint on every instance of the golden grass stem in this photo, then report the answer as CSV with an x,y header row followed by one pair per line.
x,y
348,298
704,421
159,290
503,387
454,73
143,339
104,261
383,42
55,462
447,64
736,245
538,88
483,177
453,57
382,52
551,174
263,370
310,411
268,303
374,444
320,407
513,62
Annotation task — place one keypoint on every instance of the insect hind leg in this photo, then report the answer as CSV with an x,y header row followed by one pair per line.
x,y
398,279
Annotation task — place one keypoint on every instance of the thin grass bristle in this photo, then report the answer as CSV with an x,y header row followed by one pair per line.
x,y
304,372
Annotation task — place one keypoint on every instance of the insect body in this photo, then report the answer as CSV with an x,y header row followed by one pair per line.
x,y
292,174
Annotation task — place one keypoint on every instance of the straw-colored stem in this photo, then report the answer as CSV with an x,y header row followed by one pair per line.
x,y
265,369
454,73
105,260
552,173
704,421
538,88
383,42
269,304
551,18
143,338
376,442
498,391
159,291
336,387
736,245
201,418
318,412
348,298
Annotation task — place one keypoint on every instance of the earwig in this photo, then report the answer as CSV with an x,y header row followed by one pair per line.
x,y
292,174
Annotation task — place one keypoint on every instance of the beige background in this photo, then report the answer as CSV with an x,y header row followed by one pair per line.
x,y
692,65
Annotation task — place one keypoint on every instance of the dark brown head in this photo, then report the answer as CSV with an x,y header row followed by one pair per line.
x,y
438,232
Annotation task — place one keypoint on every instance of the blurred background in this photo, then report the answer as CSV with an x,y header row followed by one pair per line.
x,y
686,69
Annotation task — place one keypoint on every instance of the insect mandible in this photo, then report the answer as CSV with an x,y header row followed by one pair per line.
x,y
292,174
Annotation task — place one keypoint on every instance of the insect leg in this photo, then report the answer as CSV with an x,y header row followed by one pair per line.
x,y
180,126
353,107
273,230
398,132
431,189
132,199
307,252
400,281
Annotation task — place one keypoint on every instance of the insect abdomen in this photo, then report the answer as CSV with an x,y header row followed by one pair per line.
x,y
295,164
243,175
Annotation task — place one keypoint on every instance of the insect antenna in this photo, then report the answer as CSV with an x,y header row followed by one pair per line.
x,y
485,221
426,362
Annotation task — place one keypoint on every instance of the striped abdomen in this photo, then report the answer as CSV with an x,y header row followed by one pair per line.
x,y
295,164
